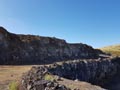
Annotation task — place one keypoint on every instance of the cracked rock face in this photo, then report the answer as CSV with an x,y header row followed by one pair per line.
x,y
30,49
95,71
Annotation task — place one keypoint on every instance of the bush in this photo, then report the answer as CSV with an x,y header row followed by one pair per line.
x,y
13,86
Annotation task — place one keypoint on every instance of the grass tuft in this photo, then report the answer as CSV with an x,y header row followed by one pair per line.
x,y
49,77
13,86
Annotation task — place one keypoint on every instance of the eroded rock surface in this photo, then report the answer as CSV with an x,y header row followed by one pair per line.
x,y
30,49
39,78
35,79
98,72
94,71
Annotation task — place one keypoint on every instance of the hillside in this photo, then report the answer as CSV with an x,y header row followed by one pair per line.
x,y
114,49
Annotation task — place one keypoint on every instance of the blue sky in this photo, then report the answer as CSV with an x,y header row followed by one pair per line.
x,y
94,22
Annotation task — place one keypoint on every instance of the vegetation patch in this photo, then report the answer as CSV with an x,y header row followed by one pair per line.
x,y
13,86
113,50
49,77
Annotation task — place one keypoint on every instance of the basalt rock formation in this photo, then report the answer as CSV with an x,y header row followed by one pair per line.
x,y
35,80
98,72
94,71
29,49
40,78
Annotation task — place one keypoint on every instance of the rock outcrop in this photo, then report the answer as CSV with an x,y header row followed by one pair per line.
x,y
39,78
98,72
35,79
30,49
94,71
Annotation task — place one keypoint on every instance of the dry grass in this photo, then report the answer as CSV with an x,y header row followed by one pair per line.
x,y
12,72
114,50
9,74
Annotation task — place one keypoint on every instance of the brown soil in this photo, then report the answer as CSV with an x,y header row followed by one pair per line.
x,y
11,73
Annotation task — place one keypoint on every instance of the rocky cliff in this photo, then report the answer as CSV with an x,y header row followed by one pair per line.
x,y
94,71
79,62
30,49
104,72
41,78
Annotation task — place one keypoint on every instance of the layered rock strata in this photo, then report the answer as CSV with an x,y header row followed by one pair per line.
x,y
30,49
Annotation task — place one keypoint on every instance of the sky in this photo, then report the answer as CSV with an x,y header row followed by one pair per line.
x,y
93,22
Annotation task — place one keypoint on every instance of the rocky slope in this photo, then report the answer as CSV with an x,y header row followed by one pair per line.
x,y
102,72
30,49
39,78
35,79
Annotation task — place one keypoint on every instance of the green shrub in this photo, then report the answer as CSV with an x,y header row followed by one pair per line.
x,y
49,77
13,86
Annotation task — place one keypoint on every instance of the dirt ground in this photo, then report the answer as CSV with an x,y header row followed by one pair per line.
x,y
11,73
79,84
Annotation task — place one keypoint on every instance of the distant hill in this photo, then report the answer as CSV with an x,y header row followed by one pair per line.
x,y
113,49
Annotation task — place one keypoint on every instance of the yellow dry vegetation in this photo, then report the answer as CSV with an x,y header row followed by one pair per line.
x,y
11,74
114,50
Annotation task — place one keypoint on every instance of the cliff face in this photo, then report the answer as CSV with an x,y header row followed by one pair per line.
x,y
94,71
29,49
104,72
